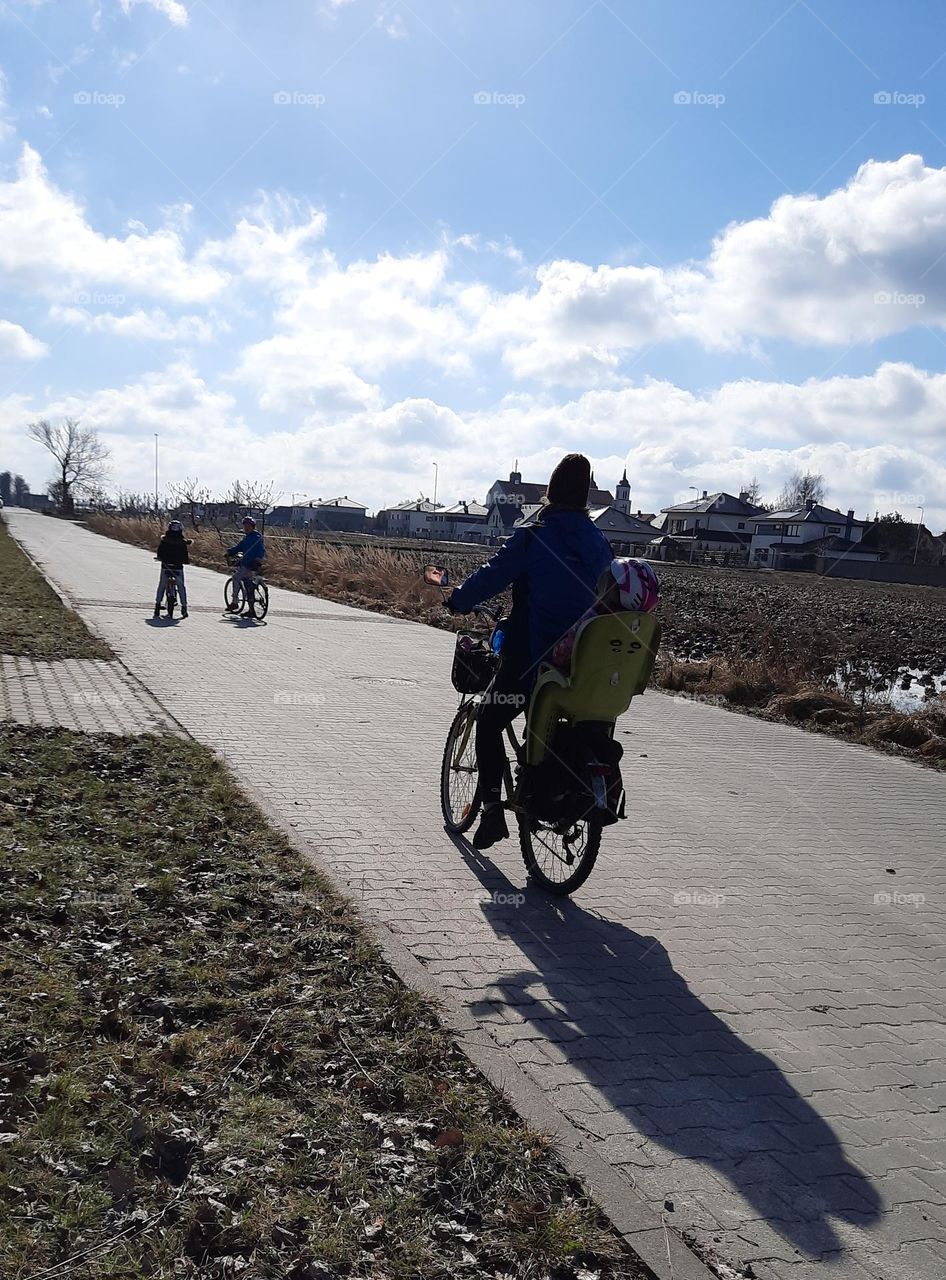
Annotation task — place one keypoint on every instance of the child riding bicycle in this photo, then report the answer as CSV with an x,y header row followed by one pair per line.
x,y
252,550
173,554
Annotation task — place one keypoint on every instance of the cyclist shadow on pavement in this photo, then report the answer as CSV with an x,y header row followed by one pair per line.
x,y
240,623
610,1002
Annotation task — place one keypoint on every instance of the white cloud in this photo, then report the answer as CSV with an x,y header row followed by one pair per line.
x,y
173,10
811,271
46,244
17,344
364,318
870,436
298,371
865,261
6,128
151,326
271,244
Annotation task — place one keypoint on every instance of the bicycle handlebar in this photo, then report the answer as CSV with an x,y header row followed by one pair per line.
x,y
495,614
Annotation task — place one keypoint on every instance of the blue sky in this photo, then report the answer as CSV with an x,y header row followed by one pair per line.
x,y
330,244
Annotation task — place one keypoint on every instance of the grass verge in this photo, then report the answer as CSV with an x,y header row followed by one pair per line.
x,y
33,622
208,1069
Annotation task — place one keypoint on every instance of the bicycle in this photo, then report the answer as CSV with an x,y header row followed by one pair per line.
x,y
561,813
170,590
255,596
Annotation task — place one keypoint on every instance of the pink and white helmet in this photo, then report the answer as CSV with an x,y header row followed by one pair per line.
x,y
638,585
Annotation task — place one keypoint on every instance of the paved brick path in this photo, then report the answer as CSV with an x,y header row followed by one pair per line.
x,y
743,1008
78,693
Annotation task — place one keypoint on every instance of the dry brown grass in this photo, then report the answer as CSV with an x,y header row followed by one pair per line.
x,y
369,577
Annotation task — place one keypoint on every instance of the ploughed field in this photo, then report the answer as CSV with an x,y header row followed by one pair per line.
x,y
819,624
885,626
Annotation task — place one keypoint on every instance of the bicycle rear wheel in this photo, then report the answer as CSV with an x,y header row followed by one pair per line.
x,y
559,860
171,597
459,776
261,600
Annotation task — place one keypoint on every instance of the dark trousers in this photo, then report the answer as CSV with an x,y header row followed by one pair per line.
x,y
506,698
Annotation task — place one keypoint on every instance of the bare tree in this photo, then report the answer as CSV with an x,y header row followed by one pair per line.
x,y
753,491
80,456
98,498
801,487
20,489
193,496
135,504
6,487
252,496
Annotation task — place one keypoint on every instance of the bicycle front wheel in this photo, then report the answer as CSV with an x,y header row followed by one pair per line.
x,y
230,593
559,859
459,776
261,600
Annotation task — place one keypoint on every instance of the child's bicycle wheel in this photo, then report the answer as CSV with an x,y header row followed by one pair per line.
x,y
459,776
261,600
171,596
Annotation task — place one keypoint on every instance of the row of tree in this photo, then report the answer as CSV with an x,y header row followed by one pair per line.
x,y
82,468
799,488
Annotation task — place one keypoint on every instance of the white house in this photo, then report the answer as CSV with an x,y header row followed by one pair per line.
x,y
463,522
714,522
344,514
407,519
781,539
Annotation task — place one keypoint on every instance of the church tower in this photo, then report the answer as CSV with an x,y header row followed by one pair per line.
x,y
622,494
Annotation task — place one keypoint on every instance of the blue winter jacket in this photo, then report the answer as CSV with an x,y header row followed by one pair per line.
x,y
250,546
553,566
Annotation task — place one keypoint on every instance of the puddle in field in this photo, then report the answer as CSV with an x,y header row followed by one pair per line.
x,y
911,689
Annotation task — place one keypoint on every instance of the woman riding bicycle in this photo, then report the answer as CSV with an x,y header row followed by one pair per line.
x,y
553,567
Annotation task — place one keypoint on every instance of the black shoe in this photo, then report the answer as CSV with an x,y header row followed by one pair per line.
x,y
492,827
183,613
157,611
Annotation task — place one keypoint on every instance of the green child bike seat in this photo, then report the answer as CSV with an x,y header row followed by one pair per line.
x,y
611,661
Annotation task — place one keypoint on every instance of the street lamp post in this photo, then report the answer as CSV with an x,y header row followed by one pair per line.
x,y
436,478
916,545
156,473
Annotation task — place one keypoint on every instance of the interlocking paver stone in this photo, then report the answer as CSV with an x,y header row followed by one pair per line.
x,y
801,1014
88,695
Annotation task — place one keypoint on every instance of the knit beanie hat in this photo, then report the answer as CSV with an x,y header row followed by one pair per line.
x,y
570,481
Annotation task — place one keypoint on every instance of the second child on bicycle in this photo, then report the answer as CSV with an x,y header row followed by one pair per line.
x,y
553,567
252,548
173,554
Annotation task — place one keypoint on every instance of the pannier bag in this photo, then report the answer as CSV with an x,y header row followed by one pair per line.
x,y
579,778
474,664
